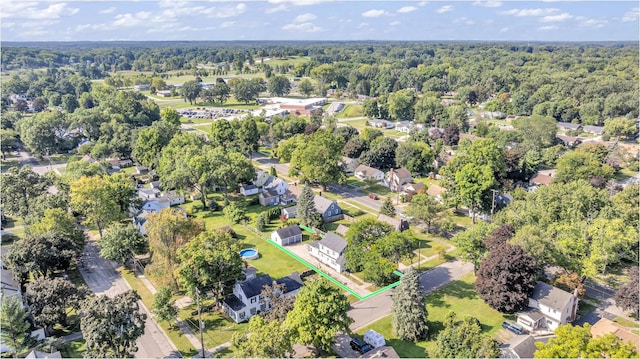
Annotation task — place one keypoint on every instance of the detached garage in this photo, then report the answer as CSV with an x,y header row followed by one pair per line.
x,y
288,235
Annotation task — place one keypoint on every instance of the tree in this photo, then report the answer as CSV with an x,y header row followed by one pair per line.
x,y
261,222
248,136
58,221
377,269
265,339
577,342
121,243
221,92
423,209
21,187
324,74
210,262
190,91
626,296
111,326
474,186
361,237
170,115
370,108
537,132
396,246
428,110
318,159
401,105
69,103
451,135
306,205
620,127
417,157
49,299
581,165
279,85
570,282
464,339
382,154
230,168
167,231
409,313
278,303
506,278
354,147
245,91
96,198
163,307
150,141
319,313
387,208
15,328
8,140
305,87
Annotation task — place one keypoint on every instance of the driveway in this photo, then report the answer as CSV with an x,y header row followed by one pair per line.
x,y
102,278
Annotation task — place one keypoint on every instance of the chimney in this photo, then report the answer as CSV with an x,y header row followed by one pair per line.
x,y
391,178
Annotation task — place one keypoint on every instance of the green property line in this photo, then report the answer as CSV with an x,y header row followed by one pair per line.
x,y
333,280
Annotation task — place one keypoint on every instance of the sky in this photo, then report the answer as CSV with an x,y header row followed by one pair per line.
x,y
229,20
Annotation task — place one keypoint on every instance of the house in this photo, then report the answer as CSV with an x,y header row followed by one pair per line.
x,y
248,189
155,184
141,170
156,205
568,141
275,184
342,229
9,287
568,126
34,354
269,198
380,123
397,224
549,307
596,130
143,87
404,126
261,178
246,302
148,193
394,179
173,198
413,188
288,197
605,326
436,191
435,132
366,173
330,210
381,352
164,93
519,346
290,212
540,179
330,251
349,164
287,235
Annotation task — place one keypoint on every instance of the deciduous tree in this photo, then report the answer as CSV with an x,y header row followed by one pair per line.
x,y
278,303
626,296
265,339
121,243
464,339
577,342
279,85
319,159
20,189
163,307
49,300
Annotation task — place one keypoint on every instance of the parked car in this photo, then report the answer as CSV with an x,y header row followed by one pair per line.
x,y
373,196
359,346
513,327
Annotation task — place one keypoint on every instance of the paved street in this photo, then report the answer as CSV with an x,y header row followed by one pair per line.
x,y
102,278
370,310
606,308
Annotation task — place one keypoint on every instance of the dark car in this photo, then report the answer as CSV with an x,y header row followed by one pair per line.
x,y
359,346
513,327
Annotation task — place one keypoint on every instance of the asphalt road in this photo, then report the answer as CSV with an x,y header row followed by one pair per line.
x,y
102,278
24,158
370,310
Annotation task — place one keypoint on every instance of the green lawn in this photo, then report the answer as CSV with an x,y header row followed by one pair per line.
x,y
460,297
290,60
358,124
350,111
377,189
625,322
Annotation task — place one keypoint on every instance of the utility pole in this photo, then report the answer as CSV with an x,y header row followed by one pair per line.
x,y
493,201
200,324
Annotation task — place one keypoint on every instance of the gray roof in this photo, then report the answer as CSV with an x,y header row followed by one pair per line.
x,y
247,187
334,242
402,173
366,170
234,302
569,125
550,296
272,183
321,203
593,129
292,211
522,345
289,231
254,286
291,282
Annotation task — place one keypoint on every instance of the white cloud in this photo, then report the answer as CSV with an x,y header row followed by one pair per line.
x,y
298,2
304,27
557,18
631,15
548,28
374,13
487,3
504,29
530,12
444,9
109,10
304,18
406,9
131,20
464,20
281,7
595,23
227,24
423,3
394,23
231,11
29,10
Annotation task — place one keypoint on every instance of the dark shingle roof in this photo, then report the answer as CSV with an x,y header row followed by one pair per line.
x,y
289,231
253,287
291,282
523,345
321,203
334,242
550,296
402,172
233,302
569,125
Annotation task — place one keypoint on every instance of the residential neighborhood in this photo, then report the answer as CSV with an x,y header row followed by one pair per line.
x,y
375,199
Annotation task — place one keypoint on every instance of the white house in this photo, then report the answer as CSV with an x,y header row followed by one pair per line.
x,y
404,126
261,178
173,198
246,302
275,184
395,179
365,173
549,307
349,164
156,205
248,189
148,193
287,235
330,251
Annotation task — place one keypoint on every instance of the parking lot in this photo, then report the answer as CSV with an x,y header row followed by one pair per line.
x,y
210,113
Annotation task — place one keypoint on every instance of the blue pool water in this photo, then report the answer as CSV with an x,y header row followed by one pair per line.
x,y
249,254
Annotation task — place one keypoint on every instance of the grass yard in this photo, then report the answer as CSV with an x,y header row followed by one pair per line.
x,y
218,329
625,322
350,111
357,123
461,297
377,189
74,349
290,60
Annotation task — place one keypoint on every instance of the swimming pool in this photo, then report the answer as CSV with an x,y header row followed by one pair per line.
x,y
249,254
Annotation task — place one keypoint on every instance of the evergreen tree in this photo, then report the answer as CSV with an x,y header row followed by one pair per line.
x,y
409,311
387,208
15,328
306,206
261,222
